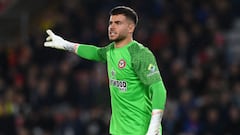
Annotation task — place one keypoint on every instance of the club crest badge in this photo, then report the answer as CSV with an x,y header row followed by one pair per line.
x,y
121,63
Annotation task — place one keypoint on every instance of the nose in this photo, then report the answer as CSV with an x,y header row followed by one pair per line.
x,y
111,26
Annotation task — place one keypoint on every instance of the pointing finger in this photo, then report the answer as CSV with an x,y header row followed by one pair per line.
x,y
50,33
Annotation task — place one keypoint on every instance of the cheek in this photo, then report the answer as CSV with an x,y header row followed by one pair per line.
x,y
123,30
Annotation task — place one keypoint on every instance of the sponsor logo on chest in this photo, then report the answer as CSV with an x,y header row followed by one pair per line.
x,y
120,84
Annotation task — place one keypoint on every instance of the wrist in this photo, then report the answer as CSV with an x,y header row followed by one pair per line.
x,y
156,111
155,122
69,46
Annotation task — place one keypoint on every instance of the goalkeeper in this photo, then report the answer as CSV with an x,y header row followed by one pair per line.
x,y
137,91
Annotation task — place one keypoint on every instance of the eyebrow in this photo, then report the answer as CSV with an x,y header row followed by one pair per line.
x,y
115,21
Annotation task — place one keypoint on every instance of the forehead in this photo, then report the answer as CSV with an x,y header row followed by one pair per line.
x,y
119,17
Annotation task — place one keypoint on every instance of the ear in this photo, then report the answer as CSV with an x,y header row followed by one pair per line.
x,y
131,27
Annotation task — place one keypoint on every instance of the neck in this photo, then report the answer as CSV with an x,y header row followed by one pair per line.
x,y
122,43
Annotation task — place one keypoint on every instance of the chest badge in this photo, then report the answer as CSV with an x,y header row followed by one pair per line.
x,y
121,63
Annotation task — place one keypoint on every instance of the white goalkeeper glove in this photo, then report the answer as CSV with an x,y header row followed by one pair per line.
x,y
55,41
155,123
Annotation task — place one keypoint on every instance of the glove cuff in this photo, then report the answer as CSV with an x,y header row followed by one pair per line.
x,y
155,123
69,46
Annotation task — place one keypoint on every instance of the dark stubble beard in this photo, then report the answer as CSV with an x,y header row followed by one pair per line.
x,y
119,39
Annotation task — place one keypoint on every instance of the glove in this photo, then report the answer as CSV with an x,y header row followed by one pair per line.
x,y
155,123
58,42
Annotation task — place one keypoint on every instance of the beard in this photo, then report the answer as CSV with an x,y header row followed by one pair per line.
x,y
118,39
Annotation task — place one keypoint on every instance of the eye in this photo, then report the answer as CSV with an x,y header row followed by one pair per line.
x,y
118,22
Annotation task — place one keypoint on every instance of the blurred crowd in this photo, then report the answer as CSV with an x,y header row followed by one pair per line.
x,y
44,91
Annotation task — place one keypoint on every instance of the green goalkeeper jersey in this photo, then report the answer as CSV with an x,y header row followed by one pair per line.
x,y
132,70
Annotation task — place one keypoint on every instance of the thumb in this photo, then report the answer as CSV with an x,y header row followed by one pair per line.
x,y
48,44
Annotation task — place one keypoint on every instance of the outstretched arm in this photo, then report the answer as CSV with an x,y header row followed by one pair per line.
x,y
89,52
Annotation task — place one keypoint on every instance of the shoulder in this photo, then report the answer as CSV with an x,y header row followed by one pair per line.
x,y
138,50
108,46
102,51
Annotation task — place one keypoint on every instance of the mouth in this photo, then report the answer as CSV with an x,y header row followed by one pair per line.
x,y
112,33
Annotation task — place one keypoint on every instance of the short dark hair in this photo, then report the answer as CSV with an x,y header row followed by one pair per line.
x,y
126,11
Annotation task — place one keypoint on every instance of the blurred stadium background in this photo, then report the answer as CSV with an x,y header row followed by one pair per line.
x,y
50,92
